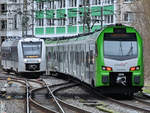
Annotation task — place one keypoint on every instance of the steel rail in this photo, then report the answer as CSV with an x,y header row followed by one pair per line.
x,y
69,106
146,95
119,102
27,97
142,101
41,107
129,105
38,105
56,101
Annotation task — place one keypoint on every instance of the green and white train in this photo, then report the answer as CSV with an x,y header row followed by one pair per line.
x,y
110,59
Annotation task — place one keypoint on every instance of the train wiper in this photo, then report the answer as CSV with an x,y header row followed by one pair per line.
x,y
130,50
121,48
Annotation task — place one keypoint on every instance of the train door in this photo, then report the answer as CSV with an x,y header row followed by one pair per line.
x,y
80,59
77,60
67,58
87,70
58,63
54,58
65,68
82,62
71,60
63,59
48,59
92,62
9,61
74,60
60,58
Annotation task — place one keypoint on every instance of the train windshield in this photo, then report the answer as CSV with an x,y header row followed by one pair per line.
x,y
32,49
120,46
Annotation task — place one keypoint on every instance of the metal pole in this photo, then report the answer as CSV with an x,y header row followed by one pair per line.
x,y
32,18
101,16
84,16
24,26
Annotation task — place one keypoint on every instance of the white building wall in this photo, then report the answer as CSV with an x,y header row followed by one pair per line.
x,y
125,13
14,15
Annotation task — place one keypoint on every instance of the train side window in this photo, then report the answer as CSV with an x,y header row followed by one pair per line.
x,y
77,58
57,56
73,57
70,56
91,57
49,55
96,50
64,55
81,56
54,55
87,59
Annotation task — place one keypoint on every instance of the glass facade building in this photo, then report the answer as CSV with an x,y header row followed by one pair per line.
x,y
71,17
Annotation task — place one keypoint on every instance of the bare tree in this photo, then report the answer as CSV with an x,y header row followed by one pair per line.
x,y
142,24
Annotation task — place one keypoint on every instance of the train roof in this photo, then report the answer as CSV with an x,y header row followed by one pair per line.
x,y
10,42
82,37
31,39
14,42
79,37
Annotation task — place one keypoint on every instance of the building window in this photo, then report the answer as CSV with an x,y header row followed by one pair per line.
x,y
50,5
61,3
61,22
81,20
40,5
108,2
40,22
3,8
83,2
128,0
129,16
3,24
72,21
96,19
96,2
108,19
15,22
72,3
50,22
13,0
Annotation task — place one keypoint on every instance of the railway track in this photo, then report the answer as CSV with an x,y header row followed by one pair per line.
x,y
63,107
142,105
58,104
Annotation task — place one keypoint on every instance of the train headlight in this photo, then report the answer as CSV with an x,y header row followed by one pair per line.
x,y
106,68
135,68
39,60
25,60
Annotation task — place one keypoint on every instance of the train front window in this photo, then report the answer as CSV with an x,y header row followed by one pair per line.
x,y
32,49
120,46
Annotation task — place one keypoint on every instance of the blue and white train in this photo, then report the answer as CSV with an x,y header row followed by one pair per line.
x,y
26,55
